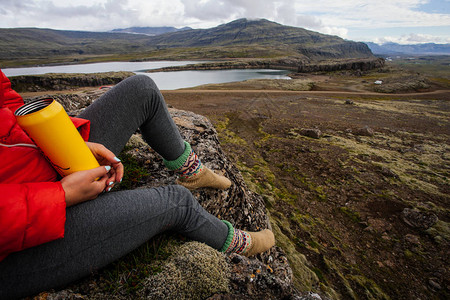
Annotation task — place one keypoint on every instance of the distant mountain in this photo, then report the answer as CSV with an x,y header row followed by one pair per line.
x,y
417,49
240,38
26,43
150,30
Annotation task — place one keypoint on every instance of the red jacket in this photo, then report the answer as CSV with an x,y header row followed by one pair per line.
x,y
32,200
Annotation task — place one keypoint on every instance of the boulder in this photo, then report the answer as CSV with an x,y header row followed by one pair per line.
x,y
349,102
194,271
365,131
419,219
312,133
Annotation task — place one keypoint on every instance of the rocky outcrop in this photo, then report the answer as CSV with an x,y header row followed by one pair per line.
x,y
266,276
294,64
58,82
403,84
341,65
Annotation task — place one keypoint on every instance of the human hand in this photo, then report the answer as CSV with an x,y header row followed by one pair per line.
x,y
85,185
106,158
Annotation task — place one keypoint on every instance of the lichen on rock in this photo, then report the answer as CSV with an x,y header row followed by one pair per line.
x,y
194,271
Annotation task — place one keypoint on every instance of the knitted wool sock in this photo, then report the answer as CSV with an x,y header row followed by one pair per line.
x,y
187,165
193,174
247,243
191,167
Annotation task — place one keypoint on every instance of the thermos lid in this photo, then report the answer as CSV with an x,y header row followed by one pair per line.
x,y
33,106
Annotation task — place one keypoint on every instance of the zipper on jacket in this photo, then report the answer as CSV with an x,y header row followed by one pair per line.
x,y
19,145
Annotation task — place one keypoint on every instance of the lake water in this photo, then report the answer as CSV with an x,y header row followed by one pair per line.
x,y
164,80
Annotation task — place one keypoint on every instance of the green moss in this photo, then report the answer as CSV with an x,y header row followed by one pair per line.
x,y
135,172
420,171
127,274
194,271
227,136
372,291
304,277
333,269
314,244
284,195
264,136
408,254
308,184
353,215
319,274
440,231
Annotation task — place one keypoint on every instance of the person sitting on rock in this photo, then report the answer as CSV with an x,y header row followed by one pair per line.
x,y
51,235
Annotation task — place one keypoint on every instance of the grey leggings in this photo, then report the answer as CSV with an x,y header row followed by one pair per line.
x,y
100,231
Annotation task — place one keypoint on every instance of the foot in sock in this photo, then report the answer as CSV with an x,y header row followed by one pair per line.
x,y
205,178
193,174
247,243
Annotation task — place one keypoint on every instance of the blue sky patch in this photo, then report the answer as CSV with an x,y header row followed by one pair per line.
x,y
435,7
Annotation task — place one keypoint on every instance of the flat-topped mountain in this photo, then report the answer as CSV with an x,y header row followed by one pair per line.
x,y
264,33
241,38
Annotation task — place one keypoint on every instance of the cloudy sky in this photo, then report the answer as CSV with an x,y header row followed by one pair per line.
x,y
402,21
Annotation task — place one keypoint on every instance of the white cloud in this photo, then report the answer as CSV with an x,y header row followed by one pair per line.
x,y
89,15
326,16
372,14
413,38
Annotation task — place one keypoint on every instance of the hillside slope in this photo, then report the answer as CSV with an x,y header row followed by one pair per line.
x,y
19,43
244,32
237,39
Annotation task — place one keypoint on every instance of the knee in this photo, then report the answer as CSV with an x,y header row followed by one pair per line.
x,y
143,88
182,196
145,81
141,83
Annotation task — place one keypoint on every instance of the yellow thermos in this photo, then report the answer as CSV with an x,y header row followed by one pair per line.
x,y
48,125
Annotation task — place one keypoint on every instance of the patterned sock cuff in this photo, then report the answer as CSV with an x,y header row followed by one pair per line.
x,y
229,237
192,167
242,243
177,163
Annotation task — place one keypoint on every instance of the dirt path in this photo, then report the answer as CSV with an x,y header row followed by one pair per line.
x,y
442,94
437,92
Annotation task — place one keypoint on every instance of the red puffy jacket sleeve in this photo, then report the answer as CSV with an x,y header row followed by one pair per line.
x,y
30,214
8,96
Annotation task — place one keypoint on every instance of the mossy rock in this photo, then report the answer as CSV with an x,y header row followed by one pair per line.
x,y
194,271
440,232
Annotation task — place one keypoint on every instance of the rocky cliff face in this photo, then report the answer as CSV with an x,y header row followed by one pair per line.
x,y
293,63
58,82
267,276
